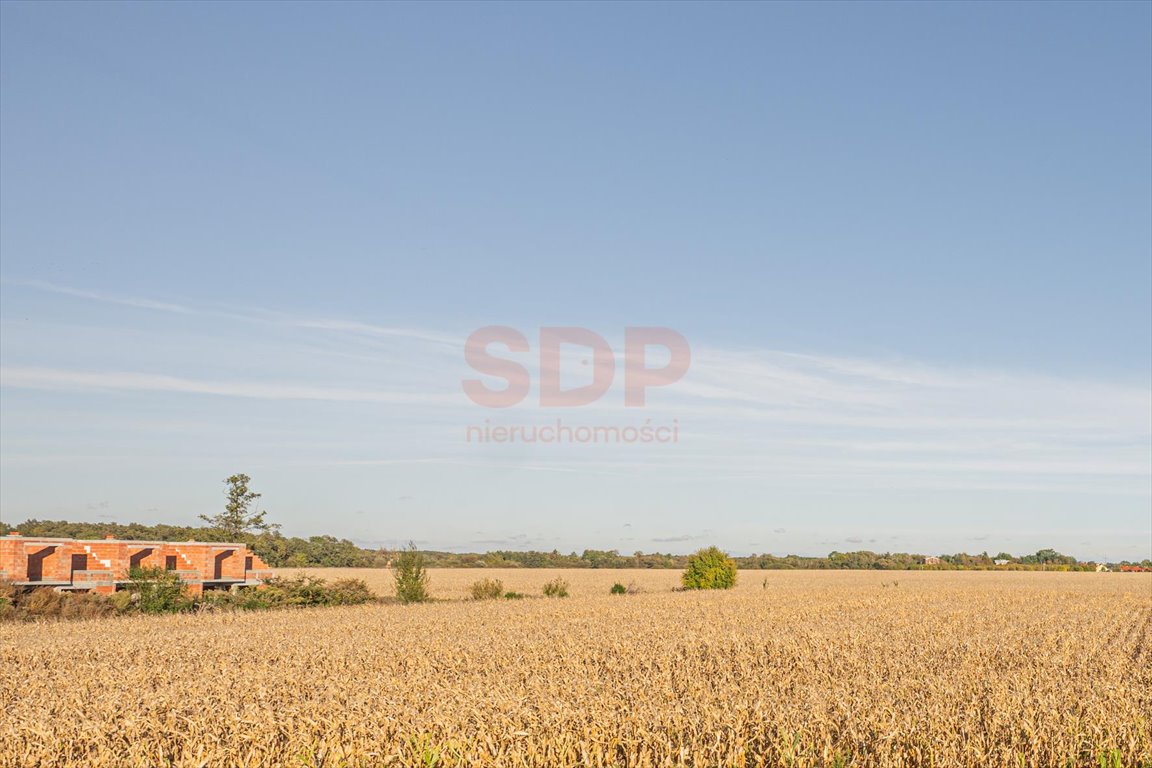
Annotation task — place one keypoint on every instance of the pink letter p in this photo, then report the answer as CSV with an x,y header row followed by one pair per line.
x,y
637,377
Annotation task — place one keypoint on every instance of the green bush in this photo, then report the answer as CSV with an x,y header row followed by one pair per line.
x,y
487,589
556,588
155,590
350,592
513,596
618,589
241,600
299,591
411,575
709,569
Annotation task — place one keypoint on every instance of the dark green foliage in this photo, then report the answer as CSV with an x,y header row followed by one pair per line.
x,y
240,600
709,569
595,558
300,591
321,551
487,589
274,549
1045,559
350,592
128,532
590,558
619,589
1048,557
411,575
556,588
238,517
279,551
513,596
155,590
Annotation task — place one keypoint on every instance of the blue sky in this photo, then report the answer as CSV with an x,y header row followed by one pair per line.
x,y
908,243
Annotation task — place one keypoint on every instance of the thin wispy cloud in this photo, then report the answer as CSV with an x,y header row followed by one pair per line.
x,y
340,395
680,539
120,381
267,317
983,412
106,298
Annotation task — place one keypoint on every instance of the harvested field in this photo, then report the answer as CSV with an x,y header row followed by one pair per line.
x,y
807,669
453,583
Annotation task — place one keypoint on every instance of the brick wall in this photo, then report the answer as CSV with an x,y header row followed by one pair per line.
x,y
100,564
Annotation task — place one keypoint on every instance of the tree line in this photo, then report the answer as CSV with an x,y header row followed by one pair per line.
x,y
277,550
280,551
243,522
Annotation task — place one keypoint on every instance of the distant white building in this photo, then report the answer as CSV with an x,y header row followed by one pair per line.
x,y
931,560
1101,568
1001,562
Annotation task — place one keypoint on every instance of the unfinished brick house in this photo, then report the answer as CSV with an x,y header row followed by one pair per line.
x,y
102,565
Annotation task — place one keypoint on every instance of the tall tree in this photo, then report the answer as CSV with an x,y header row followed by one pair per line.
x,y
411,575
238,516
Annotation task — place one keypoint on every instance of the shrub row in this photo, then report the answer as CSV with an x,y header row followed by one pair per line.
x,y
289,592
152,590
493,589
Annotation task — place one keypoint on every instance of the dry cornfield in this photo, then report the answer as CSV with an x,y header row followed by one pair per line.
x,y
790,669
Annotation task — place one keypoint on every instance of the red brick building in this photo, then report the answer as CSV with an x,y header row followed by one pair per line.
x,y
101,565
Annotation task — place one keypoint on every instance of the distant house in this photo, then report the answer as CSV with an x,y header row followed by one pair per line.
x,y
1101,568
103,565
931,560
1001,562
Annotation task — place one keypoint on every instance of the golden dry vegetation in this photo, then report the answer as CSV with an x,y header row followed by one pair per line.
x,y
454,583
807,669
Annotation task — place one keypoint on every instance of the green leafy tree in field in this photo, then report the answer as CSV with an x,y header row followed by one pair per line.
x,y
709,569
238,517
411,575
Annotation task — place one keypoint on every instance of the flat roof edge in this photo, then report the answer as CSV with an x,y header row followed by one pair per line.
x,y
119,541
